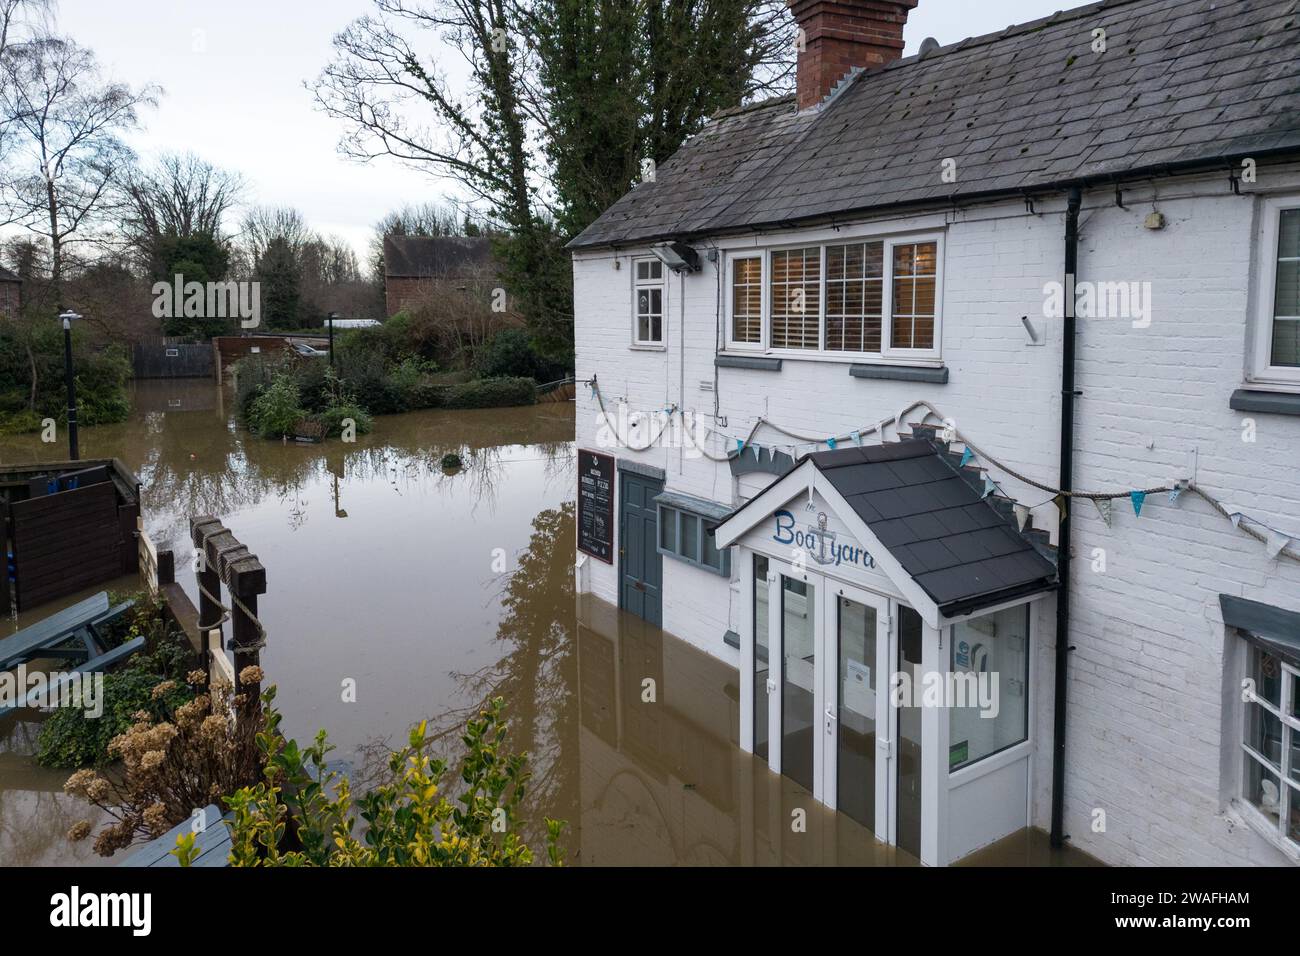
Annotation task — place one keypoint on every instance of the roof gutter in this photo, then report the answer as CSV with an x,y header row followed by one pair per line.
x,y
1229,164
1068,394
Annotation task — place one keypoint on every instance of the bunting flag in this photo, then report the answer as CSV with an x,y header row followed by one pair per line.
x,y
1022,516
593,390
857,439
1235,518
1276,542
1176,490
1062,505
1137,497
966,456
831,442
1103,509
989,486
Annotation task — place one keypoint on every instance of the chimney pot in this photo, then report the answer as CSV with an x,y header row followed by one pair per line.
x,y
840,36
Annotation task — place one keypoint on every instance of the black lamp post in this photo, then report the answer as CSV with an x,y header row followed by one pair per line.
x,y
67,318
331,321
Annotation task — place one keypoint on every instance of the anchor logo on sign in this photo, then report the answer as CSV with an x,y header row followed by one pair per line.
x,y
823,537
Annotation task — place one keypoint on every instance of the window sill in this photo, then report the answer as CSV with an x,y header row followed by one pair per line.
x,y
1264,828
647,347
1266,402
760,363
901,373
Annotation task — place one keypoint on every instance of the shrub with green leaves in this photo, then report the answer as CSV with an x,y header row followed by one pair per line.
x,y
277,409
303,814
491,393
334,417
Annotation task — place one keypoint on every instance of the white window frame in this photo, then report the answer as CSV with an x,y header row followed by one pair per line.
x,y
888,355
761,344
1290,730
1263,369
661,284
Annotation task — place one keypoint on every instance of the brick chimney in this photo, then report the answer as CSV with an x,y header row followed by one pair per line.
x,y
843,35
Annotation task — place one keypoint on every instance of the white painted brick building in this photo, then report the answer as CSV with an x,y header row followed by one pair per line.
x,y
1156,717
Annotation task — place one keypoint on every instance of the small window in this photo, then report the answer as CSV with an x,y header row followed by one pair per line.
x,y
648,302
1277,350
915,280
667,529
747,300
1270,740
687,537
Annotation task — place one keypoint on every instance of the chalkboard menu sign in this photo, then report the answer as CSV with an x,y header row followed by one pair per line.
x,y
596,505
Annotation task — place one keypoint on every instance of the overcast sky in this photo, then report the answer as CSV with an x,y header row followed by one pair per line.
x,y
234,71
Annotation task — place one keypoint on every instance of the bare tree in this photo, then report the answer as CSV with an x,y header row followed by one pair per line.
x,y
65,142
263,225
181,196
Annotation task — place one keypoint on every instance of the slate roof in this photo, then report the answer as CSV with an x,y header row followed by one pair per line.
x,y
423,257
1183,83
7,276
955,544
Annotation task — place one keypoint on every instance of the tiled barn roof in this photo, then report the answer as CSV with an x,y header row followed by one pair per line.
x,y
1182,83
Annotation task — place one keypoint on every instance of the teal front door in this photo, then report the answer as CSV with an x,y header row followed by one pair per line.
x,y
641,572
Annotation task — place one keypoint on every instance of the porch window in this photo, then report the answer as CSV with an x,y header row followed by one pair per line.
x,y
648,302
990,678
1271,740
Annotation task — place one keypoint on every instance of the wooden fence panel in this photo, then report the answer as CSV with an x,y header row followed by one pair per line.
x,y
160,360
65,542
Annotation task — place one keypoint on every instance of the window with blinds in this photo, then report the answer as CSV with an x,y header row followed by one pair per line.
x,y
855,291
796,298
747,300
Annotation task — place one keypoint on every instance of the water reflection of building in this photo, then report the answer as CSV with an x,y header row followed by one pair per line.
x,y
662,780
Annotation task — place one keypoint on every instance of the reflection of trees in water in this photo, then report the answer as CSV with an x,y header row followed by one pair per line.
x,y
536,673
34,812
194,463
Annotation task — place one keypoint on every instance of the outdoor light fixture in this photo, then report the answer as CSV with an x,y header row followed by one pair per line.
x,y
68,318
677,256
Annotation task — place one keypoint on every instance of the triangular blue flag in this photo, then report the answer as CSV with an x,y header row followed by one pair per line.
x,y
857,438
740,446
966,456
989,487
1137,497
831,442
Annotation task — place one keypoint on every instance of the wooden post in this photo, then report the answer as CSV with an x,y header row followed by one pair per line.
x,y
205,572
247,580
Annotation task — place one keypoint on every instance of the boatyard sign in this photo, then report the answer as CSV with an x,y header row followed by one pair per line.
x,y
596,505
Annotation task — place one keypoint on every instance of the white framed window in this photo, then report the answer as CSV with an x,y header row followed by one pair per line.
x,y
1271,741
745,291
1277,327
865,298
647,302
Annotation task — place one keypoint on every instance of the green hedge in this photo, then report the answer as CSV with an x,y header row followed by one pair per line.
x,y
491,393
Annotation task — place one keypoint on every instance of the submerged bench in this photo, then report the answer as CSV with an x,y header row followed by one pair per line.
x,y
100,663
213,843
55,629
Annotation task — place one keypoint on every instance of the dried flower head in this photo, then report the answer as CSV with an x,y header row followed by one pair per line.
x,y
252,674
162,689
79,831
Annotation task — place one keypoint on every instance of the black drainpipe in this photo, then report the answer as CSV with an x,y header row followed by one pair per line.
x,y
1068,394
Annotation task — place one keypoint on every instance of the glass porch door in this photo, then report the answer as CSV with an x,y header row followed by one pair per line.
x,y
822,661
858,731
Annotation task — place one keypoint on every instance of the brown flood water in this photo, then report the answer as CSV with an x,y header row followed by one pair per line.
x,y
385,571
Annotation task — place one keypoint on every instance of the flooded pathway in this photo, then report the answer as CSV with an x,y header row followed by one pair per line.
x,y
433,592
